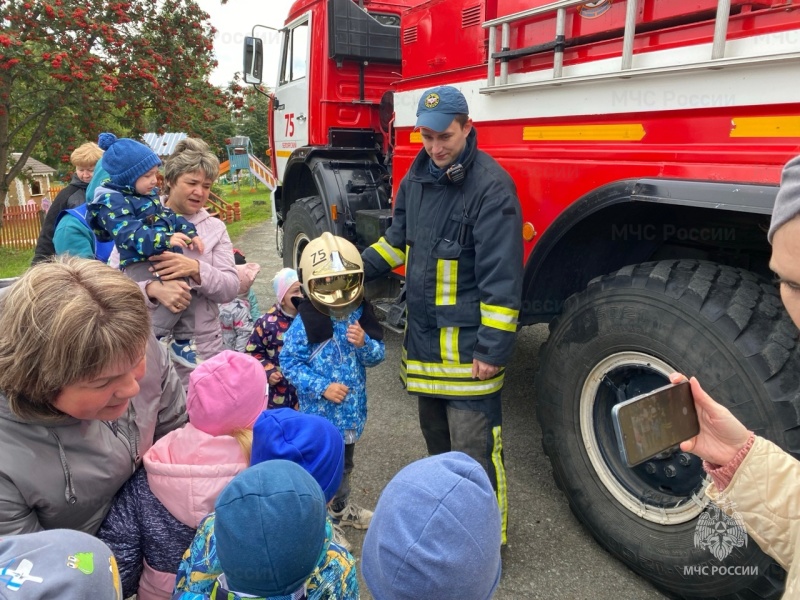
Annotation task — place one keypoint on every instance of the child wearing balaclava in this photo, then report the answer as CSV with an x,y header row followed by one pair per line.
x,y
266,341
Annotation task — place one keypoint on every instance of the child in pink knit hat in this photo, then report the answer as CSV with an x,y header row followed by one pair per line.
x,y
154,516
266,340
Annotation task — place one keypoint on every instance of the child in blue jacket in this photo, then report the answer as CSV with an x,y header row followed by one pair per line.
x,y
126,208
327,349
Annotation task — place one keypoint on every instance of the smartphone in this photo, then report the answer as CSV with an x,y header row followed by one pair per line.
x,y
654,422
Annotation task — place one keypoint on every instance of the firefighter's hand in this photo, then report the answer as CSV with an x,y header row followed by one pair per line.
x,y
275,378
356,335
482,370
336,392
721,434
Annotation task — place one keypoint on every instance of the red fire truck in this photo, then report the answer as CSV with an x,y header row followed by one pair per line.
x,y
646,140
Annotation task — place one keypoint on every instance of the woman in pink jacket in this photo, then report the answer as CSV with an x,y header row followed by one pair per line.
x,y
153,518
210,276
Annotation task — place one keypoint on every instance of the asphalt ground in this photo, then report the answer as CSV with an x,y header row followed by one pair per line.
x,y
549,554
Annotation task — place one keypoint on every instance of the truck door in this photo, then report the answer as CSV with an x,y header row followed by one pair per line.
x,y
291,109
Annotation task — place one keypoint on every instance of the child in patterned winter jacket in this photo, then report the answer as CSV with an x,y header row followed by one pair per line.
x,y
235,317
327,349
314,444
266,340
127,209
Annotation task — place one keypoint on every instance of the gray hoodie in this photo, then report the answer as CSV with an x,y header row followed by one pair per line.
x,y
64,473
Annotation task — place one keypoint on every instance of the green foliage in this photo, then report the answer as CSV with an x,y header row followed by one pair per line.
x,y
255,122
70,69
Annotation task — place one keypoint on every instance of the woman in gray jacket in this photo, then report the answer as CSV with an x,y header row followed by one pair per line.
x,y
85,390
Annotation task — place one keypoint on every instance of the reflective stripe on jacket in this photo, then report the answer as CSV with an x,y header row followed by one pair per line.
x,y
462,249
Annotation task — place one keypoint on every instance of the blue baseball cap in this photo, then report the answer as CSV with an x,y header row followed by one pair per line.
x,y
438,107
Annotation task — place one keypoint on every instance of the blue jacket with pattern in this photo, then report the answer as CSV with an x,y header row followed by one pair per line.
x,y
312,367
335,577
141,226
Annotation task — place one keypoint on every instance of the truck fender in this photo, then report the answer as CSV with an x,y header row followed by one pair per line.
x,y
345,178
628,222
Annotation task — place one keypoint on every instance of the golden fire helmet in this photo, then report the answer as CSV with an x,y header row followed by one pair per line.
x,y
332,273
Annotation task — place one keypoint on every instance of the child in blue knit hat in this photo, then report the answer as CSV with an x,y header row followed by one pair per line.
x,y
127,209
435,533
280,435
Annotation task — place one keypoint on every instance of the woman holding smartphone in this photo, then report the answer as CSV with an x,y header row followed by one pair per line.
x,y
756,477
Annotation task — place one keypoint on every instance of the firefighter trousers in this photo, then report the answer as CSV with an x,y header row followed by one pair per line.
x,y
473,427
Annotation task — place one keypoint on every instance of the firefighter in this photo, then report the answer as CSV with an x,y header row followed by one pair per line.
x,y
457,228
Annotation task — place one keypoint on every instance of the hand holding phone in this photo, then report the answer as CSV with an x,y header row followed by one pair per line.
x,y
654,422
721,434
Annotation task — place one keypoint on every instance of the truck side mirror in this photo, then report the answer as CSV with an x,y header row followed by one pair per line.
x,y
253,59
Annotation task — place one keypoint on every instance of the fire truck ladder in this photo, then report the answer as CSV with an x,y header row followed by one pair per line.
x,y
626,70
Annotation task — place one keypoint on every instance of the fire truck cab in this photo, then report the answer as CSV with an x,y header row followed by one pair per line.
x,y
646,140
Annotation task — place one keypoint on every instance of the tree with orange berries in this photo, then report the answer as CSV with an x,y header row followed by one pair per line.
x,y
70,69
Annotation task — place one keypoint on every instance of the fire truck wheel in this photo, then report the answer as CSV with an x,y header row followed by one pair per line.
x,y
305,221
279,240
621,337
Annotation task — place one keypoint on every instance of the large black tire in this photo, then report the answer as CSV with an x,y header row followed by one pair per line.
x,y
620,337
279,240
305,221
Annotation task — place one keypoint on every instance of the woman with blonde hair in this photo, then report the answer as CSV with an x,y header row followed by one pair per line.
x,y
154,517
85,390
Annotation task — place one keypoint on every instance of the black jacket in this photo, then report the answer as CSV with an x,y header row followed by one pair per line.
x,y
70,197
462,250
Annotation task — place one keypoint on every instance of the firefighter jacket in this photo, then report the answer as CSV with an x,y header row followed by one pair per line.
x,y
462,250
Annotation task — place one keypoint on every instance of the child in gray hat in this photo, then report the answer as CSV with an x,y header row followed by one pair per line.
x,y
58,563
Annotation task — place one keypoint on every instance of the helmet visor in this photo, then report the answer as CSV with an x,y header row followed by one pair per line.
x,y
336,290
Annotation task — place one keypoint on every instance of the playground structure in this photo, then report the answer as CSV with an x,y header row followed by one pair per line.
x,y
241,158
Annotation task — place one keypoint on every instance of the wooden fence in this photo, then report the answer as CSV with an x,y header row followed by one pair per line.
x,y
226,211
21,225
